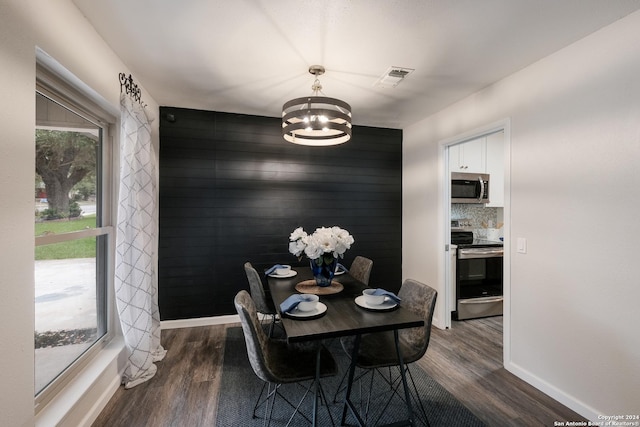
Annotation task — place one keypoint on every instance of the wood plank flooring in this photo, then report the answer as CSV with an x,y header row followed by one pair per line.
x,y
466,360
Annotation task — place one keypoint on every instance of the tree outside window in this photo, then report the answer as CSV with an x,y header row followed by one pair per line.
x,y
64,159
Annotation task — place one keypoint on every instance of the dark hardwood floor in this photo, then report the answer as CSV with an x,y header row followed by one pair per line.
x,y
466,360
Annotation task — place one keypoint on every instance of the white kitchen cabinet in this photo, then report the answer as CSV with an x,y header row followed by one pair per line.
x,y
495,168
470,156
482,155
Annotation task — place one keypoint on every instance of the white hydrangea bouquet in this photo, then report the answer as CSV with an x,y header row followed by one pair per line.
x,y
323,248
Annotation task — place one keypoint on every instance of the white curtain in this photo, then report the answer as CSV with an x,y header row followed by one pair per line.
x,y
136,241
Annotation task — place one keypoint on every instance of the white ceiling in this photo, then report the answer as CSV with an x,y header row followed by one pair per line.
x,y
251,56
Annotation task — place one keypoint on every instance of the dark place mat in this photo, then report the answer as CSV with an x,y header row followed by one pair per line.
x,y
239,389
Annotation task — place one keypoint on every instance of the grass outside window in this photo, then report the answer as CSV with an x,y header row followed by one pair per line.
x,y
81,248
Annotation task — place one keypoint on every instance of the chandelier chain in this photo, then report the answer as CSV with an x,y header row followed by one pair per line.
x,y
316,87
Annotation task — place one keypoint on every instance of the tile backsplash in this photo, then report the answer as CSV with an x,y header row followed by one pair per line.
x,y
479,217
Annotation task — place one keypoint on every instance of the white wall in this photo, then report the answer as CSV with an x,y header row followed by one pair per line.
x,y
575,173
58,28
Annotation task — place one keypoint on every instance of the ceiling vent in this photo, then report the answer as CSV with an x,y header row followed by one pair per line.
x,y
392,77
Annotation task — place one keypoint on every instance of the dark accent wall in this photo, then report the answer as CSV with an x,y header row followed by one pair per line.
x,y
232,190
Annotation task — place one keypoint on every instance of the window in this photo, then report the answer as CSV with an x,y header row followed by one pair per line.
x,y
73,232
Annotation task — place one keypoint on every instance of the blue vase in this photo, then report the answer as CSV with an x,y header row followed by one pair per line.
x,y
323,273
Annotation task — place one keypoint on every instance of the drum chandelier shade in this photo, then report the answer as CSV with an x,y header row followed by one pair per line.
x,y
316,120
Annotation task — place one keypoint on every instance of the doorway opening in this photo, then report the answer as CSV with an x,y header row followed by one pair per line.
x,y
484,152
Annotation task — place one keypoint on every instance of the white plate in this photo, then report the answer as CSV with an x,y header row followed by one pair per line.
x,y
284,276
339,272
320,309
386,305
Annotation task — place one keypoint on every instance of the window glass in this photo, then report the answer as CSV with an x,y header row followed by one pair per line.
x,y
71,255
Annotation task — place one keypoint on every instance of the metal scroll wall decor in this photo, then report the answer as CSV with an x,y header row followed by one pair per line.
x,y
130,88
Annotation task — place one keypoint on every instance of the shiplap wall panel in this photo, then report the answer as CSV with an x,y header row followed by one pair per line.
x,y
232,190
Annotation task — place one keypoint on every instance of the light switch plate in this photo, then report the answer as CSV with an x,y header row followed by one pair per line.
x,y
521,245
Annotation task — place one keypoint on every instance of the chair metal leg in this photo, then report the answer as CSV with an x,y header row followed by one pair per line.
x,y
368,405
270,393
341,386
273,322
273,391
348,405
269,402
323,398
326,404
316,385
404,377
389,379
258,402
415,397
393,385
297,410
268,412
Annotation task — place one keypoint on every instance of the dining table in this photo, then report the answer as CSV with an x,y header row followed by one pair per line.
x,y
342,317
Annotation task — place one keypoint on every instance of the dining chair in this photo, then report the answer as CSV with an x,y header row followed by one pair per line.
x,y
378,350
276,363
263,303
361,269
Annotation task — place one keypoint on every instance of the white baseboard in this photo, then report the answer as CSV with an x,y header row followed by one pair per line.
x,y
552,391
438,323
103,399
199,321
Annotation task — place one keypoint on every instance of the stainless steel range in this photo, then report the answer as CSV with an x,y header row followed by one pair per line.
x,y
479,270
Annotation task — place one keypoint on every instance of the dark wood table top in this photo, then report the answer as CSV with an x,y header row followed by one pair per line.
x,y
343,316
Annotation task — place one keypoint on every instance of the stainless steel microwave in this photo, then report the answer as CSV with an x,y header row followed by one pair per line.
x,y
469,187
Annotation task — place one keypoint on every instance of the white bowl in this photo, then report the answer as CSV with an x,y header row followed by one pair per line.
x,y
371,299
283,271
310,302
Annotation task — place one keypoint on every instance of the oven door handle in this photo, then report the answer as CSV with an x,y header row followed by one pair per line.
x,y
481,300
475,253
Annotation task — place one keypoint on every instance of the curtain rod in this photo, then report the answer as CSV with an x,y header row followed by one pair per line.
x,y
130,88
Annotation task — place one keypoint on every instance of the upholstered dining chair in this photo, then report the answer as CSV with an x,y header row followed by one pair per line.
x,y
263,303
276,363
361,269
377,350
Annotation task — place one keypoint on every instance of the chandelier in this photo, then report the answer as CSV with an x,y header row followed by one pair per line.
x,y
316,120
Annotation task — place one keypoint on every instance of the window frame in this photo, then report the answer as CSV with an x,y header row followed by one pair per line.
x,y
61,87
